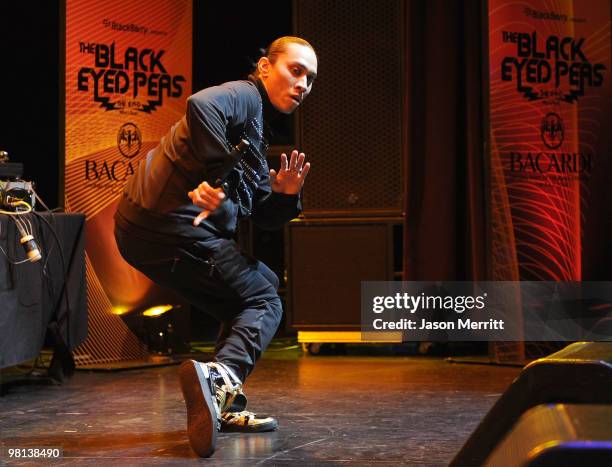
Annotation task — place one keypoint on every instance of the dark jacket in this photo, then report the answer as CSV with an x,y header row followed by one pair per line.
x,y
155,204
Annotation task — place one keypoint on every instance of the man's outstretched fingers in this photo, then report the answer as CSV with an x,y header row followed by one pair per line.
x,y
305,171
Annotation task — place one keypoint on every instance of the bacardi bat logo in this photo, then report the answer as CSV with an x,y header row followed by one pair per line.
x,y
551,131
129,140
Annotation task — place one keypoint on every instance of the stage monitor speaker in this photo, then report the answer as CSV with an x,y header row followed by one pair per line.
x,y
555,435
327,260
350,127
581,373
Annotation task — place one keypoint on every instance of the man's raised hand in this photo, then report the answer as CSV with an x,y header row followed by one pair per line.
x,y
290,177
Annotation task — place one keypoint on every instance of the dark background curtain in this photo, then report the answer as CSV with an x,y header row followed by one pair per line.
x,y
29,83
445,184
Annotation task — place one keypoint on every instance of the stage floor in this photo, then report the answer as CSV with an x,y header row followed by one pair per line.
x,y
349,410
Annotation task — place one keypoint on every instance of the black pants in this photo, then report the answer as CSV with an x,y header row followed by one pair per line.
x,y
214,275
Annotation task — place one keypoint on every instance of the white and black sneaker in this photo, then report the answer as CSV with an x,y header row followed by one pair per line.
x,y
215,401
209,389
203,415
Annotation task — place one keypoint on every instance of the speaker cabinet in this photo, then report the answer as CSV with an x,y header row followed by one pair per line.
x,y
581,373
326,262
560,434
350,127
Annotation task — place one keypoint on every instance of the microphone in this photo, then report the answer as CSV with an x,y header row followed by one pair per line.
x,y
29,244
231,161
31,248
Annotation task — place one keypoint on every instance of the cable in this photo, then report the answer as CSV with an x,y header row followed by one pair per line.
x,y
12,261
66,367
17,213
39,199
42,238
50,211
65,273
63,260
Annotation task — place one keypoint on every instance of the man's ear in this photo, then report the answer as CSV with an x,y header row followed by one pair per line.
x,y
263,67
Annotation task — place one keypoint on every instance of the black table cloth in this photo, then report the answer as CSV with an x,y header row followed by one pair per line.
x,y
47,295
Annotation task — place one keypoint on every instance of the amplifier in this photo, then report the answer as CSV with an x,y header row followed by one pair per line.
x,y
12,192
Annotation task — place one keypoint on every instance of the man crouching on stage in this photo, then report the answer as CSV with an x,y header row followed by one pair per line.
x,y
178,215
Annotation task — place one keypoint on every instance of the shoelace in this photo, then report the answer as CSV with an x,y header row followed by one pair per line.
x,y
230,386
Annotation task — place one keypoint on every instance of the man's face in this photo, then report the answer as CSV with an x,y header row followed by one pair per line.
x,y
289,79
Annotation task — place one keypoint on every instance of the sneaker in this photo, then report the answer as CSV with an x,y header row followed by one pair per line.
x,y
203,415
247,422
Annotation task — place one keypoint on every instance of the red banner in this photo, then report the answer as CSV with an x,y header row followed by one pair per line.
x,y
128,74
549,75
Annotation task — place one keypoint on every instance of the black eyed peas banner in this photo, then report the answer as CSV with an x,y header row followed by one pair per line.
x,y
128,74
549,104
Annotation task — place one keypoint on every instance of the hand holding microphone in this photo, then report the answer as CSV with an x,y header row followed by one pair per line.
x,y
210,197
207,197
